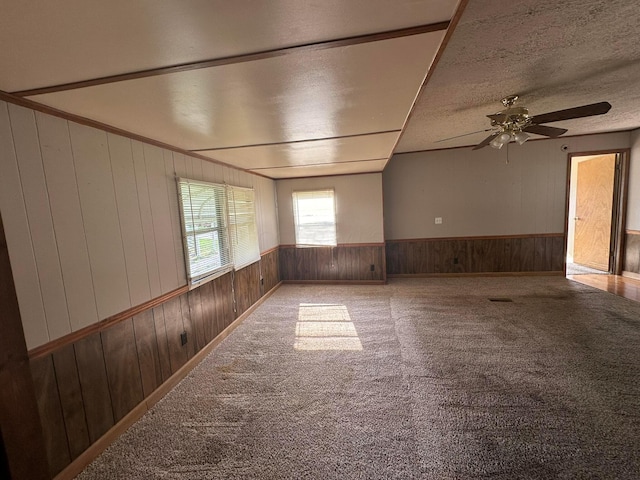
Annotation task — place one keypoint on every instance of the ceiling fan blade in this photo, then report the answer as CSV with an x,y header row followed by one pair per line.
x,y
463,135
545,130
575,112
486,141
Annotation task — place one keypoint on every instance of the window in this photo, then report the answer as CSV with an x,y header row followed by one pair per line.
x,y
314,215
218,228
243,230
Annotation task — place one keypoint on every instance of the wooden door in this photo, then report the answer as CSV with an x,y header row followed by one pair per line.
x,y
594,207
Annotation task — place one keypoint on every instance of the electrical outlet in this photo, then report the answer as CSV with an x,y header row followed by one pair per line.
x,y
438,220
455,260
183,338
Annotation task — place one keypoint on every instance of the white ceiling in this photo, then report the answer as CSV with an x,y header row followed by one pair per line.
x,y
298,97
279,92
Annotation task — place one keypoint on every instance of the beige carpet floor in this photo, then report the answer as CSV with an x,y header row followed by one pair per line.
x,y
421,378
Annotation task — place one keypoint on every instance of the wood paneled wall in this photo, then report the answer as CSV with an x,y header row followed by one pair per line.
x,y
631,262
527,253
84,388
92,219
341,263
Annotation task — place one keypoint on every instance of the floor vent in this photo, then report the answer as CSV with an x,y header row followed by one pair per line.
x,y
500,300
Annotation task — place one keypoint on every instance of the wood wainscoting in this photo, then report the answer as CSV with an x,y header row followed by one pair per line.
x,y
85,386
469,255
631,262
343,263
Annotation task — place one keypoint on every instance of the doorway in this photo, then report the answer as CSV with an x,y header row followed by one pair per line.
x,y
595,212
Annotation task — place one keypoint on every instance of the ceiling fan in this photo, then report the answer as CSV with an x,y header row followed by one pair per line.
x,y
515,123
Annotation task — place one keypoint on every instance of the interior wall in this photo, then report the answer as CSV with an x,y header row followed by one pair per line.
x,y
92,219
358,206
477,194
633,201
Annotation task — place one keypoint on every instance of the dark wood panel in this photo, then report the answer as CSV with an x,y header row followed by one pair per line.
x,y
270,269
226,298
23,449
163,342
217,305
197,320
48,398
631,261
148,357
188,325
344,262
68,382
473,255
94,384
175,327
207,301
123,368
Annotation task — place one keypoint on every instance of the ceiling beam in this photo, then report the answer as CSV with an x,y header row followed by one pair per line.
x,y
306,140
320,164
249,57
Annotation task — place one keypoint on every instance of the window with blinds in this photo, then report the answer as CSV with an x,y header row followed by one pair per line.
x,y
219,228
314,215
243,230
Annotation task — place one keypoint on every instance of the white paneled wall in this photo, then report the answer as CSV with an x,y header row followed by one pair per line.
x,y
92,220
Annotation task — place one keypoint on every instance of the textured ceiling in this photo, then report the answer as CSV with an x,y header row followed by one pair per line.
x,y
555,55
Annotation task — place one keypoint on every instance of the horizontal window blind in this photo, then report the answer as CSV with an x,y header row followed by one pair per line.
x,y
243,230
204,227
315,218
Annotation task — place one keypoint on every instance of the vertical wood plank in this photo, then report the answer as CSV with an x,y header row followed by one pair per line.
x,y
123,368
539,254
147,347
515,257
68,381
188,325
174,212
217,305
161,216
173,321
94,384
18,238
527,254
163,342
126,190
195,307
66,212
55,436
557,248
36,199
208,318
632,253
100,216
148,232
22,442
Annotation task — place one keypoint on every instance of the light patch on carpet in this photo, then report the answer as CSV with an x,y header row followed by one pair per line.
x,y
325,327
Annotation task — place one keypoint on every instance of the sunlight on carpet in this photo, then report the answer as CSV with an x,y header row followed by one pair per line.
x,y
325,327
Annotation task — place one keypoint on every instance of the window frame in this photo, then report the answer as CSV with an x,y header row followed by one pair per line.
x,y
298,225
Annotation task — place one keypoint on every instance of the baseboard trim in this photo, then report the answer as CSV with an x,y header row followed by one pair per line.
x,y
635,276
335,282
479,274
85,458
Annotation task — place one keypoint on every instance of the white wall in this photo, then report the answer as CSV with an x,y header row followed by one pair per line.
x,y
91,219
358,206
476,193
633,201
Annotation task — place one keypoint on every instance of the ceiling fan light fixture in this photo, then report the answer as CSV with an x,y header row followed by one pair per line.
x,y
496,143
521,137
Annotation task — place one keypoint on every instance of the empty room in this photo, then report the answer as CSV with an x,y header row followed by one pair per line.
x,y
348,239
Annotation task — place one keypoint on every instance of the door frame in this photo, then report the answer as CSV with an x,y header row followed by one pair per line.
x,y
619,209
